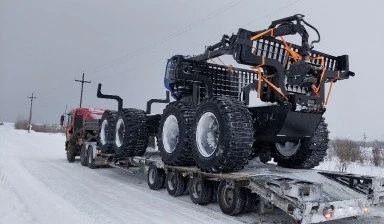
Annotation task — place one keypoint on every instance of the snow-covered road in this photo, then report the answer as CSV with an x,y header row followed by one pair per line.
x,y
37,185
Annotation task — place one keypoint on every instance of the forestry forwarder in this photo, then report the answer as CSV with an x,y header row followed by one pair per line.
x,y
212,123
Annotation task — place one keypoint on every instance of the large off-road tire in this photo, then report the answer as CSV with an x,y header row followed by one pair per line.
x,y
176,184
231,199
91,161
222,135
156,177
174,137
200,191
83,156
107,131
131,135
310,151
261,150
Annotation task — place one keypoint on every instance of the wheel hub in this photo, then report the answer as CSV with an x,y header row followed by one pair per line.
x,y
102,132
90,156
170,134
151,176
207,134
288,148
171,181
196,189
228,197
120,131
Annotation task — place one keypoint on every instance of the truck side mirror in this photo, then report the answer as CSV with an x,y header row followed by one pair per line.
x,y
61,120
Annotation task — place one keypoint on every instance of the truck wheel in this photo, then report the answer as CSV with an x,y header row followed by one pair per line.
x,y
131,135
174,138
200,191
107,130
304,153
91,160
83,157
156,177
223,135
231,199
71,153
176,183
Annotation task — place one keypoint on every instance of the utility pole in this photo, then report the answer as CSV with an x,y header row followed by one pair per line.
x,y
82,86
364,138
30,112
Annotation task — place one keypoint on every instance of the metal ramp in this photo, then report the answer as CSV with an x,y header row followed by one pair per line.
x,y
309,196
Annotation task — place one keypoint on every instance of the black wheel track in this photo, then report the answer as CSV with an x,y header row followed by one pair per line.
x,y
312,151
239,136
185,158
261,150
136,133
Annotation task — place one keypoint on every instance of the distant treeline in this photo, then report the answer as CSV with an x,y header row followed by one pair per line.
x,y
22,124
347,151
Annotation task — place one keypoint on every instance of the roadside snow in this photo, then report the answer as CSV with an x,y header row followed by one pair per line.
x,y
355,168
38,185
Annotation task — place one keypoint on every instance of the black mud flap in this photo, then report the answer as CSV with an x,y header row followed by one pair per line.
x,y
277,122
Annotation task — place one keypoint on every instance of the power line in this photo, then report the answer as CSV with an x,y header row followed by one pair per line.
x,y
256,19
170,37
82,86
30,111
180,32
273,12
162,41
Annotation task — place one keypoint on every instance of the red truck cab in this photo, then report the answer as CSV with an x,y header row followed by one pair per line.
x,y
77,129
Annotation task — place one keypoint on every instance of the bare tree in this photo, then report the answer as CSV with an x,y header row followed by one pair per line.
x,y
377,157
21,124
347,151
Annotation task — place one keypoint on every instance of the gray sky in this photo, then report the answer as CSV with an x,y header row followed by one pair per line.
x,y
45,45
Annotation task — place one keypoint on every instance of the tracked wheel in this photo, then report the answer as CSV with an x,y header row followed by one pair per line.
x,y
131,135
174,137
222,135
304,153
107,131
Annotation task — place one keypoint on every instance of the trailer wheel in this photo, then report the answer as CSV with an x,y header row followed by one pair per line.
x,y
131,135
251,200
223,135
83,156
174,138
200,191
176,183
91,160
215,188
305,153
156,177
231,198
107,130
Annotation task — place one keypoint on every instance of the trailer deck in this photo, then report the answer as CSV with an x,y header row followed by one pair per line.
x,y
308,196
